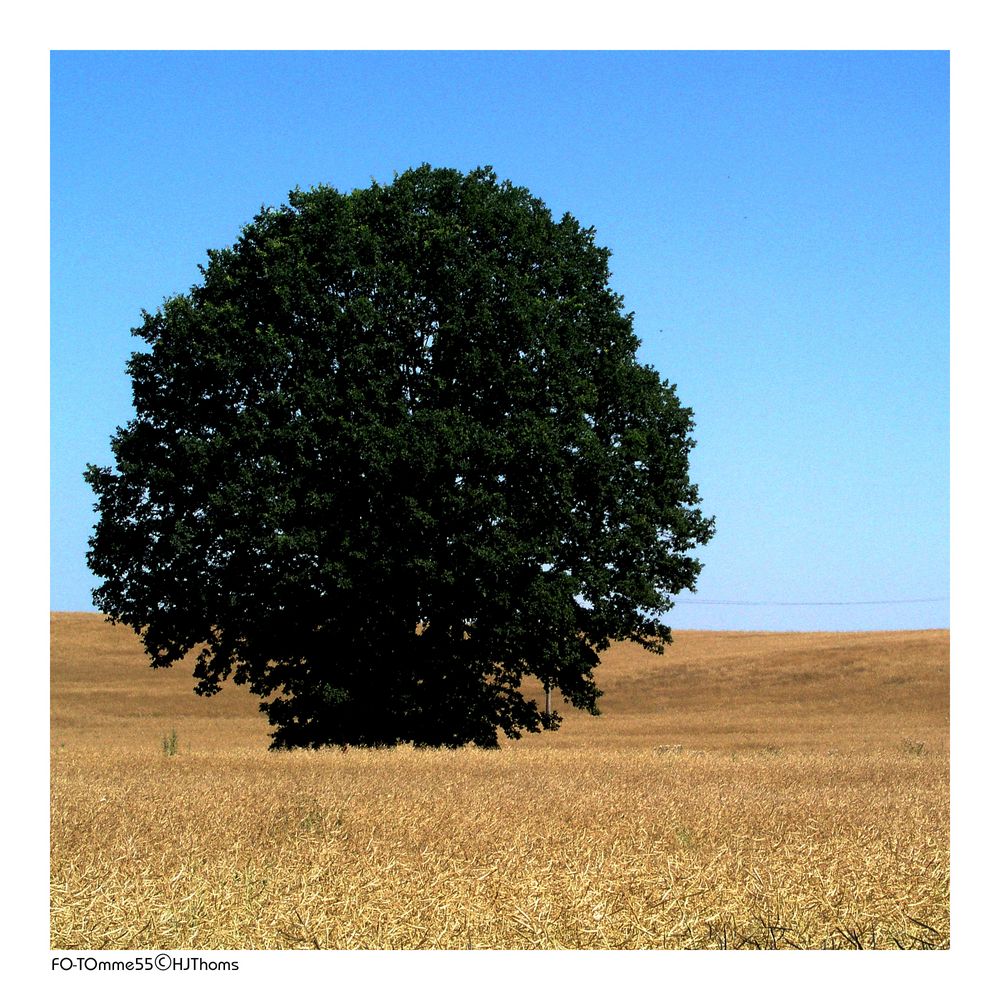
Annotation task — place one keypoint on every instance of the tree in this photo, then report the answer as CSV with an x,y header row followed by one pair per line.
x,y
393,454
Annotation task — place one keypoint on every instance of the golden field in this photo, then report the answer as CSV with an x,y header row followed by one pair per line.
x,y
754,790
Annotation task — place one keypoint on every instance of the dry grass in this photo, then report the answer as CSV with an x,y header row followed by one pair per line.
x,y
746,790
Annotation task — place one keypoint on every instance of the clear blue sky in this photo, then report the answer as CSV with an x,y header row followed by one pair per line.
x,y
779,225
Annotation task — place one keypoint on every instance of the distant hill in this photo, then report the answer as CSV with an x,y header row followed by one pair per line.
x,y
825,691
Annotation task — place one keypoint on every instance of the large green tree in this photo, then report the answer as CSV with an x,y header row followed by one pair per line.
x,y
393,454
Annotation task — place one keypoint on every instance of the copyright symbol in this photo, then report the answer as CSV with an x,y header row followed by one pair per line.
x,y
162,961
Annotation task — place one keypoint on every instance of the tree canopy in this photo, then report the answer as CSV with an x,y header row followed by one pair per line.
x,y
393,454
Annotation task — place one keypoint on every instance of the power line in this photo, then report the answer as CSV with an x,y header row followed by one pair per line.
x,y
812,604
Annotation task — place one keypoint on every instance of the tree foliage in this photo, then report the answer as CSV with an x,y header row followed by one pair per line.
x,y
393,454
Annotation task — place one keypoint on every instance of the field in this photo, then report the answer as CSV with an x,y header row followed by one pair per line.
x,y
745,790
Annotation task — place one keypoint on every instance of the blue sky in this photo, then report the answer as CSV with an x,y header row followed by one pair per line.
x,y
778,221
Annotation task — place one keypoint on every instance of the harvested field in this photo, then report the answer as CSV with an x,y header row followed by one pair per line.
x,y
754,790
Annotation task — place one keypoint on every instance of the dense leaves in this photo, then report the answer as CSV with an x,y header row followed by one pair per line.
x,y
393,454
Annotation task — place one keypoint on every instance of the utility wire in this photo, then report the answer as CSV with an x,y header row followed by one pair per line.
x,y
812,604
